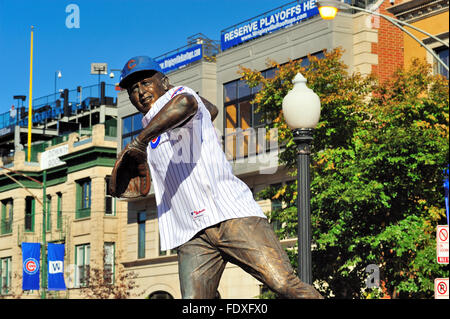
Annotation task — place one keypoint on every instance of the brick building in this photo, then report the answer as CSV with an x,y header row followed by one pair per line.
x,y
430,16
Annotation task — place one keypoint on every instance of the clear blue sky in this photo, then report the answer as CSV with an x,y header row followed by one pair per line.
x,y
110,31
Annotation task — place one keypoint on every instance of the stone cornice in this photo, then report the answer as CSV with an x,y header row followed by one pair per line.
x,y
415,10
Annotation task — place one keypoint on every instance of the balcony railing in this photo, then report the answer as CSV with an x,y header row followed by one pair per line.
x,y
199,47
51,107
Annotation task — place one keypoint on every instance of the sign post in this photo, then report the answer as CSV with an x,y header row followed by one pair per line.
x,y
441,288
442,244
99,68
44,241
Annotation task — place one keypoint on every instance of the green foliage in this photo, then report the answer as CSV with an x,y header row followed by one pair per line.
x,y
376,186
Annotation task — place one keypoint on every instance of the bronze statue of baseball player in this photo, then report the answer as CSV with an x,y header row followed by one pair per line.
x,y
204,211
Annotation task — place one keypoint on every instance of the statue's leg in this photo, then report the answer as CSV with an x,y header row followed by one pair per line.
x,y
200,267
252,244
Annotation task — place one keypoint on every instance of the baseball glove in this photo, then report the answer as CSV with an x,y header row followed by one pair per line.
x,y
130,177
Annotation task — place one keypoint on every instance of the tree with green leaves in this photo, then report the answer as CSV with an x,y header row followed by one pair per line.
x,y
376,181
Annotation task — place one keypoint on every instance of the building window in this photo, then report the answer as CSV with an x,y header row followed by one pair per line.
x,y
240,116
110,201
241,121
141,218
5,275
164,252
6,216
442,53
48,212
131,127
59,217
29,213
83,198
109,260
82,256
240,113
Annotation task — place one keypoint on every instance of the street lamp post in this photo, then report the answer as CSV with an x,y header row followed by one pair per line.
x,y
301,109
58,75
329,8
111,75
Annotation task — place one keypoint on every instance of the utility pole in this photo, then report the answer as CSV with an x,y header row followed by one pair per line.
x,y
44,230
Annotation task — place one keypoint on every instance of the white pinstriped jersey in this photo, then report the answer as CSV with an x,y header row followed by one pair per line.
x,y
193,181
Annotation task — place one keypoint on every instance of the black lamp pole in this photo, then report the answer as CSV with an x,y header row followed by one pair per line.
x,y
303,139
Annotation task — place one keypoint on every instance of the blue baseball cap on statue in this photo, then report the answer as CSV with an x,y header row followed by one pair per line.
x,y
137,64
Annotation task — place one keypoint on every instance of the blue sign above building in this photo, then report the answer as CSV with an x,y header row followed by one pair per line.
x,y
282,18
181,58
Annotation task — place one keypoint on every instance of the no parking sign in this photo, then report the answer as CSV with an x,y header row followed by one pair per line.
x,y
441,288
442,244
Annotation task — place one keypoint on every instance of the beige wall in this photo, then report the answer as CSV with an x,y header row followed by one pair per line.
x,y
94,230
365,35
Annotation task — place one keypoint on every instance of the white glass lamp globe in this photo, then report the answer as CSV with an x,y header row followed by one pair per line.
x,y
301,106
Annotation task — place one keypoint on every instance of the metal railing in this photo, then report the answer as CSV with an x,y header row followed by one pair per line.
x,y
52,106
209,49
57,233
242,143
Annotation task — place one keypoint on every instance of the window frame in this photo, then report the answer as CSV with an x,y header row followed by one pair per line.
x,y
110,198
230,139
82,270
439,69
241,100
83,204
6,219
5,274
30,214
112,263
135,119
141,221
59,213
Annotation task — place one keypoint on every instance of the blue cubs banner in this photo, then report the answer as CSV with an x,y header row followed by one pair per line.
x,y
55,253
31,258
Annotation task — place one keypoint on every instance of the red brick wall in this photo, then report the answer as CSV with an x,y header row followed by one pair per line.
x,y
389,47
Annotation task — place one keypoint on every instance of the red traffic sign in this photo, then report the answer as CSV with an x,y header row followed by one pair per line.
x,y
441,288
442,244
